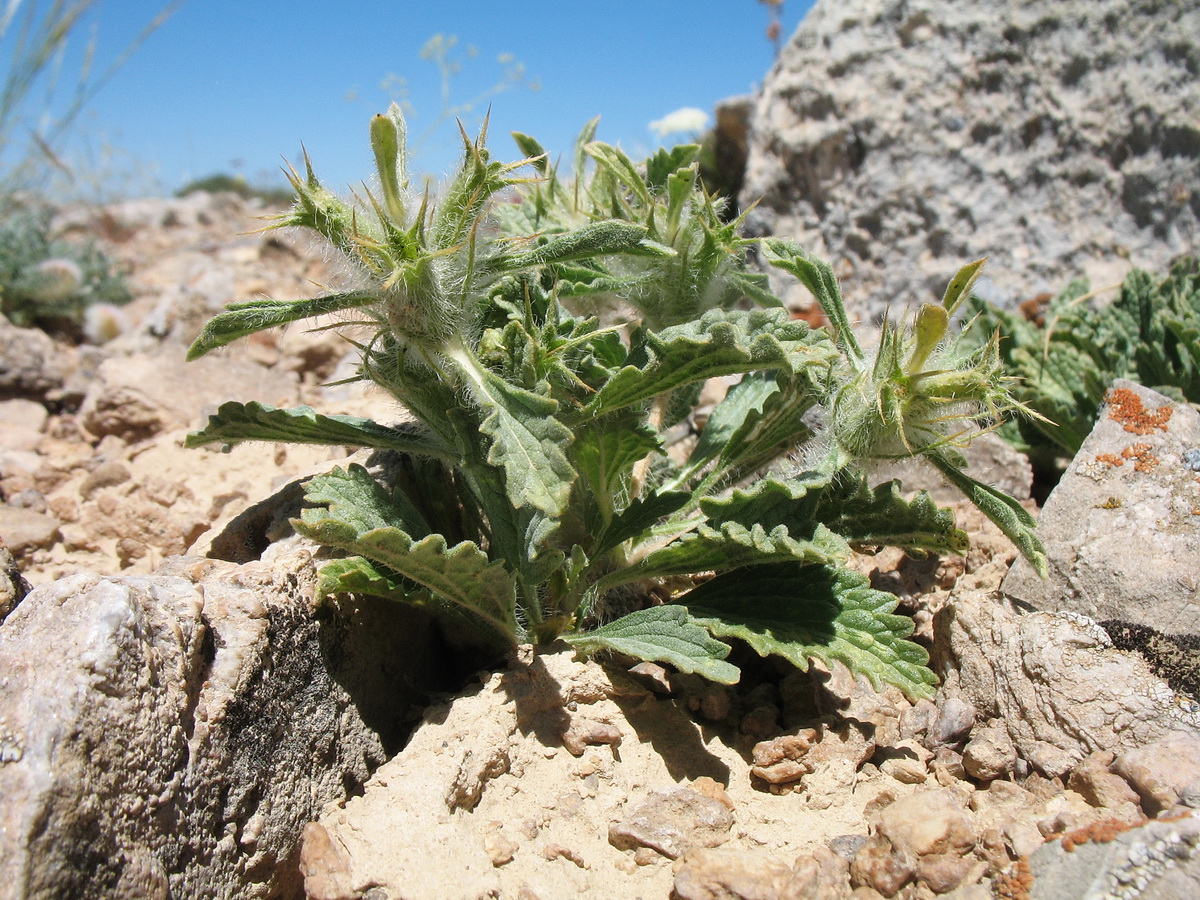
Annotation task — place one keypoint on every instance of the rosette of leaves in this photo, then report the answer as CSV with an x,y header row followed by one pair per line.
x,y
535,496
1149,333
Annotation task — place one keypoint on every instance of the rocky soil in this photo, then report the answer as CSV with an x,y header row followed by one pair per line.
x,y
265,748
178,720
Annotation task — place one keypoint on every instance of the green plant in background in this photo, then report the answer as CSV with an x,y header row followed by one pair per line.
x,y
1150,333
544,335
50,282
236,184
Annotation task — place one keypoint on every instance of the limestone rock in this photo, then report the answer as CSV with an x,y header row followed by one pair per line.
x,y
1054,680
902,139
171,734
1122,528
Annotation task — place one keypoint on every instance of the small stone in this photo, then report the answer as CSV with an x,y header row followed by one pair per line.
x,y
990,754
878,866
781,760
906,771
713,874
107,474
943,872
583,733
24,530
847,845
928,822
653,676
672,820
1098,785
954,722
499,847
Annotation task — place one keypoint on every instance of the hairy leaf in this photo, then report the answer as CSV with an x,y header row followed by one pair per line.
x,y
462,574
637,518
719,343
732,545
882,516
241,319
818,612
237,422
662,634
1008,514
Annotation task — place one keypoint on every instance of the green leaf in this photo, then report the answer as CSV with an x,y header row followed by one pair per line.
x,y
743,402
462,574
531,149
528,443
237,422
731,545
641,515
719,343
621,167
241,319
595,239
817,275
1008,514
355,497
960,286
881,516
661,634
606,452
358,575
818,612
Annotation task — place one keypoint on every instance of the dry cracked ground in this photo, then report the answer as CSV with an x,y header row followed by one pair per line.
x,y
1051,764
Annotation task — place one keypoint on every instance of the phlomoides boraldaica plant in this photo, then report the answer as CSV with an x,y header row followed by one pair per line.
x,y
545,334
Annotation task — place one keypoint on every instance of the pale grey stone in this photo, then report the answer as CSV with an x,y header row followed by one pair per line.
x,y
1053,680
1158,861
1121,529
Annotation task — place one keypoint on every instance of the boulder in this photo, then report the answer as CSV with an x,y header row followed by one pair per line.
x,y
901,139
170,735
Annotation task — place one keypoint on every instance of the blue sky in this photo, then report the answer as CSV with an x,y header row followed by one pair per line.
x,y
235,85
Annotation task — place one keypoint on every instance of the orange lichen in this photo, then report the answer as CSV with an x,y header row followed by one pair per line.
x,y
1146,461
1126,407
1016,883
1111,458
1098,832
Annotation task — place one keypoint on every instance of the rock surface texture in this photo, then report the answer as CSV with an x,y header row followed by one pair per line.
x,y
900,139
169,735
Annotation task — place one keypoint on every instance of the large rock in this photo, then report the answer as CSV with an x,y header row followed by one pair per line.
x,y
170,735
902,138
1122,528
